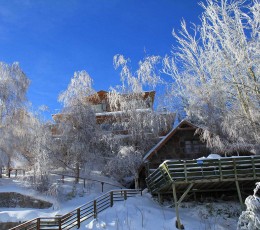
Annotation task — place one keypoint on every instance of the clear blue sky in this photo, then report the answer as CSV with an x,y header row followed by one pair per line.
x,y
53,38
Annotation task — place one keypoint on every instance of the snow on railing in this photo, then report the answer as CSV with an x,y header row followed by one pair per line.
x,y
195,171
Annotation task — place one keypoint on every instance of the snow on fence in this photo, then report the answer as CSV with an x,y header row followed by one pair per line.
x,y
80,214
204,170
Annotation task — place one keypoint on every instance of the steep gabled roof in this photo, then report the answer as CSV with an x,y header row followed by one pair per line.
x,y
184,124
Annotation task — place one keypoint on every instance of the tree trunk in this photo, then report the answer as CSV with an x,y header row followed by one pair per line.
x,y
136,182
77,173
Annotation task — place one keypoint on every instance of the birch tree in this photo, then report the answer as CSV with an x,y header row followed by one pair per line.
x,y
215,72
13,89
134,117
77,125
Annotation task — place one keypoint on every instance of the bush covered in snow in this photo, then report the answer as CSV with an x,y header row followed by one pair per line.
x,y
250,219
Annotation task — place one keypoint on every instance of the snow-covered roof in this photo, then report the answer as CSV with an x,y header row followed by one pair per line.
x,y
166,138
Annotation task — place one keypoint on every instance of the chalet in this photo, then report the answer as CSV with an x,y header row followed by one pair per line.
x,y
110,118
104,112
182,142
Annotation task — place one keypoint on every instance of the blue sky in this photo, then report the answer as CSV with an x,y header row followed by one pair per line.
x,y
53,38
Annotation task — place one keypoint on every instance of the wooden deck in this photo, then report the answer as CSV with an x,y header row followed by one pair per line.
x,y
183,176
204,173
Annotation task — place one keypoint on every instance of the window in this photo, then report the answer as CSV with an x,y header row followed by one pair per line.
x,y
192,146
99,108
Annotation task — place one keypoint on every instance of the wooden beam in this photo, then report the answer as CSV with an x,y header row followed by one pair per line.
x,y
176,206
159,198
239,196
184,194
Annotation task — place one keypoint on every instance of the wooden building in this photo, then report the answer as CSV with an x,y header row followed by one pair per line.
x,y
105,115
181,142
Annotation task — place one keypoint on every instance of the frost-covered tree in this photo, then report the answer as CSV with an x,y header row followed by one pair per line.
x,y
126,164
77,128
134,117
142,122
250,219
36,142
215,71
13,89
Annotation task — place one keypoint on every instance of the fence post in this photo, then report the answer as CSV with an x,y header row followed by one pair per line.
x,y
78,217
62,178
102,184
95,209
59,223
38,224
125,195
111,199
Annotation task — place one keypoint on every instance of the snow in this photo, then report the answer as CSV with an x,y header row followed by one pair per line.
x,y
210,156
140,212
120,112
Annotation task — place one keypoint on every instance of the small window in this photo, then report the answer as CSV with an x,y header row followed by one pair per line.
x,y
99,108
192,146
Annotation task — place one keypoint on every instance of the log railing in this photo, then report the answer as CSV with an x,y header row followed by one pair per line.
x,y
203,170
82,213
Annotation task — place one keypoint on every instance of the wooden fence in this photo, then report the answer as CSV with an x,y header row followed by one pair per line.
x,y
82,213
84,179
204,171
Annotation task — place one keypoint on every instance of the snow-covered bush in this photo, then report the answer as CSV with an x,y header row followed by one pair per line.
x,y
250,219
125,164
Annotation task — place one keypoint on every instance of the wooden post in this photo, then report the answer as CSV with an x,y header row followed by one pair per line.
x,y
220,169
185,172
125,195
59,220
38,224
111,199
253,166
176,206
62,179
16,173
78,217
239,195
235,169
95,209
159,198
9,172
102,186
1,172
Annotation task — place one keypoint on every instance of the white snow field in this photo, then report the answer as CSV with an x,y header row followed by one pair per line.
x,y
140,212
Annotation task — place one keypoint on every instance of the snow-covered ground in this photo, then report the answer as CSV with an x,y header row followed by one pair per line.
x,y
140,212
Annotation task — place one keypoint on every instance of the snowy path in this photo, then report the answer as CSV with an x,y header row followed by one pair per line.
x,y
140,212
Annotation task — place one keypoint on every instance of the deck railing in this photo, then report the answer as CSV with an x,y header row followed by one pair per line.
x,y
204,170
82,213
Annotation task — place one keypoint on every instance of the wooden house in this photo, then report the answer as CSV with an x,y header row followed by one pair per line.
x,y
181,142
110,118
